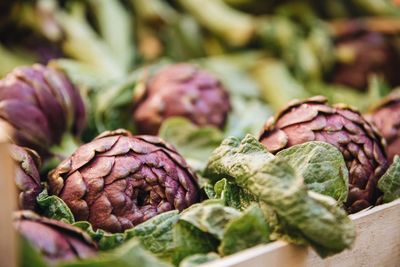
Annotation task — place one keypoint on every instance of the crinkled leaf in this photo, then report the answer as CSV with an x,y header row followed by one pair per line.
x,y
279,228
389,183
156,235
190,240
209,216
233,195
322,166
194,143
325,226
104,240
198,259
248,230
54,207
130,254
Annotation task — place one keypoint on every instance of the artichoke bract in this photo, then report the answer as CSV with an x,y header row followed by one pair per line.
x,y
386,117
181,90
362,53
341,126
120,180
38,104
27,176
55,240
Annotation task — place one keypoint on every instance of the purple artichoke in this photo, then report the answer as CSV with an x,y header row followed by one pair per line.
x,y
38,105
181,90
362,53
119,180
27,176
342,127
55,240
386,117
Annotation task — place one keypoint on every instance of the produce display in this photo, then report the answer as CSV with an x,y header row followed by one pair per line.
x,y
179,132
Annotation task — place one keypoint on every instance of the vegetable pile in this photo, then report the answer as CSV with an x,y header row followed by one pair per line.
x,y
142,130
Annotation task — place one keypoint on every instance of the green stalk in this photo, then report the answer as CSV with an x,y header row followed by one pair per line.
x,y
115,26
84,44
235,27
154,10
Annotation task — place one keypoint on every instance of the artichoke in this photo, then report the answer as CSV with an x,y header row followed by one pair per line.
x,y
55,240
181,90
386,117
120,180
362,53
343,127
38,105
26,176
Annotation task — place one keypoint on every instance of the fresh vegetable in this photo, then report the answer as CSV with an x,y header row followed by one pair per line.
x,y
27,176
180,90
38,105
55,240
344,128
362,53
119,180
303,215
386,117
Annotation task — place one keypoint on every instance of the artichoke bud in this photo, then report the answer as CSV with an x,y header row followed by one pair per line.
x,y
38,104
181,90
27,176
55,240
361,53
386,117
341,126
119,180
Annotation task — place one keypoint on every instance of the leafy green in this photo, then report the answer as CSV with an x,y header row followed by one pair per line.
x,y
323,225
54,207
246,231
104,240
322,166
194,143
210,216
130,254
232,195
389,183
190,240
156,233
198,259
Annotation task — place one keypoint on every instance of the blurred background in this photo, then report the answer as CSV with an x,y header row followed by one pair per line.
x,y
265,52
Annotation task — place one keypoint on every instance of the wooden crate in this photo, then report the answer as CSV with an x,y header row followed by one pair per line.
x,y
377,244
8,242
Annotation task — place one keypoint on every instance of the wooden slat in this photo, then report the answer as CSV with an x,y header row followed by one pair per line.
x,y
377,244
8,242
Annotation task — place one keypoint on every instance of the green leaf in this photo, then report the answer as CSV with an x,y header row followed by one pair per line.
x,y
156,234
190,240
54,207
209,216
233,195
322,166
194,143
130,254
104,240
199,259
248,230
323,225
389,183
